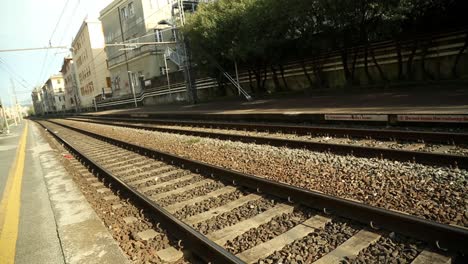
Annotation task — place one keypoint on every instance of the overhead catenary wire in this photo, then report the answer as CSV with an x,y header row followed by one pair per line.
x,y
50,41
128,30
65,31
9,70
31,49
129,43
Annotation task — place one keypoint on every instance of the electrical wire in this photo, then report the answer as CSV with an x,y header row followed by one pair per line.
x,y
128,30
14,75
50,40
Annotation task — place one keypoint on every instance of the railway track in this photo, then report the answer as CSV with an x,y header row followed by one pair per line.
x,y
444,137
408,152
230,217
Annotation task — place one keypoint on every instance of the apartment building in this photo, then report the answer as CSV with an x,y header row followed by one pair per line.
x,y
37,99
53,94
142,25
90,62
71,85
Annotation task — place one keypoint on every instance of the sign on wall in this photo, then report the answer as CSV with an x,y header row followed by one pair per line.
x,y
433,118
343,117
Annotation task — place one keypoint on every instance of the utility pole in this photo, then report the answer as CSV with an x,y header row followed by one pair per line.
x,y
7,126
95,105
133,88
18,112
167,76
12,112
187,57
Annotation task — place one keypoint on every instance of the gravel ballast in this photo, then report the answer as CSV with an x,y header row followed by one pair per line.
x,y
393,248
270,230
315,245
435,193
232,217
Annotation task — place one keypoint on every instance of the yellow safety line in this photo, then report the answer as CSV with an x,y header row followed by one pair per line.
x,y
11,204
9,182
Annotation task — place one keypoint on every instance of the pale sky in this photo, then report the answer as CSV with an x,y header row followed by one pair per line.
x,y
30,24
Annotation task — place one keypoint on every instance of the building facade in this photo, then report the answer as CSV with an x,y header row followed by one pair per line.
x,y
53,94
37,100
90,62
72,102
142,24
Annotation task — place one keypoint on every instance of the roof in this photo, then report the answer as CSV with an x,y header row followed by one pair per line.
x,y
66,61
86,21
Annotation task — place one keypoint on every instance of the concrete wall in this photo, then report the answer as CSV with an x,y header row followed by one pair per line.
x,y
439,60
440,57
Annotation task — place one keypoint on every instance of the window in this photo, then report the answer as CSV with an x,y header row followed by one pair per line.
x,y
58,81
158,34
131,10
124,13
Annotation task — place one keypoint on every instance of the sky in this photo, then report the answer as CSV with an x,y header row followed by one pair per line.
x,y
35,24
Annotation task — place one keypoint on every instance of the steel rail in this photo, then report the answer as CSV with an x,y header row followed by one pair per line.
x,y
199,244
426,136
428,158
443,236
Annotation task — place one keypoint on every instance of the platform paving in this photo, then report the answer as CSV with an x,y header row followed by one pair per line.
x,y
416,101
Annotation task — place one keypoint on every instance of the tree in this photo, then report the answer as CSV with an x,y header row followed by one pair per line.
x,y
261,35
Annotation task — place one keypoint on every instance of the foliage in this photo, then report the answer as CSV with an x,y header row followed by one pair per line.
x,y
257,33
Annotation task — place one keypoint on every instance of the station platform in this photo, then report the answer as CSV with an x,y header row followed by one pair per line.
x,y
44,218
417,105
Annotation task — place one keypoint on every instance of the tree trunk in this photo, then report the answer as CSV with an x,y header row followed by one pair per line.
x,y
258,78
347,72
366,64
409,67
319,74
265,72
400,60
353,67
250,81
381,73
426,73
306,73
457,59
275,79
282,77
221,86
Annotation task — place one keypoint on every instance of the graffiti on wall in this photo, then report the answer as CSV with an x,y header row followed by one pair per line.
x,y
116,82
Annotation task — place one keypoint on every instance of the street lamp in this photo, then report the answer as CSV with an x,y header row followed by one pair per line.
x,y
133,88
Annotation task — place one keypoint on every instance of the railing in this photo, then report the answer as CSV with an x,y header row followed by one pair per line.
x,y
174,56
175,88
